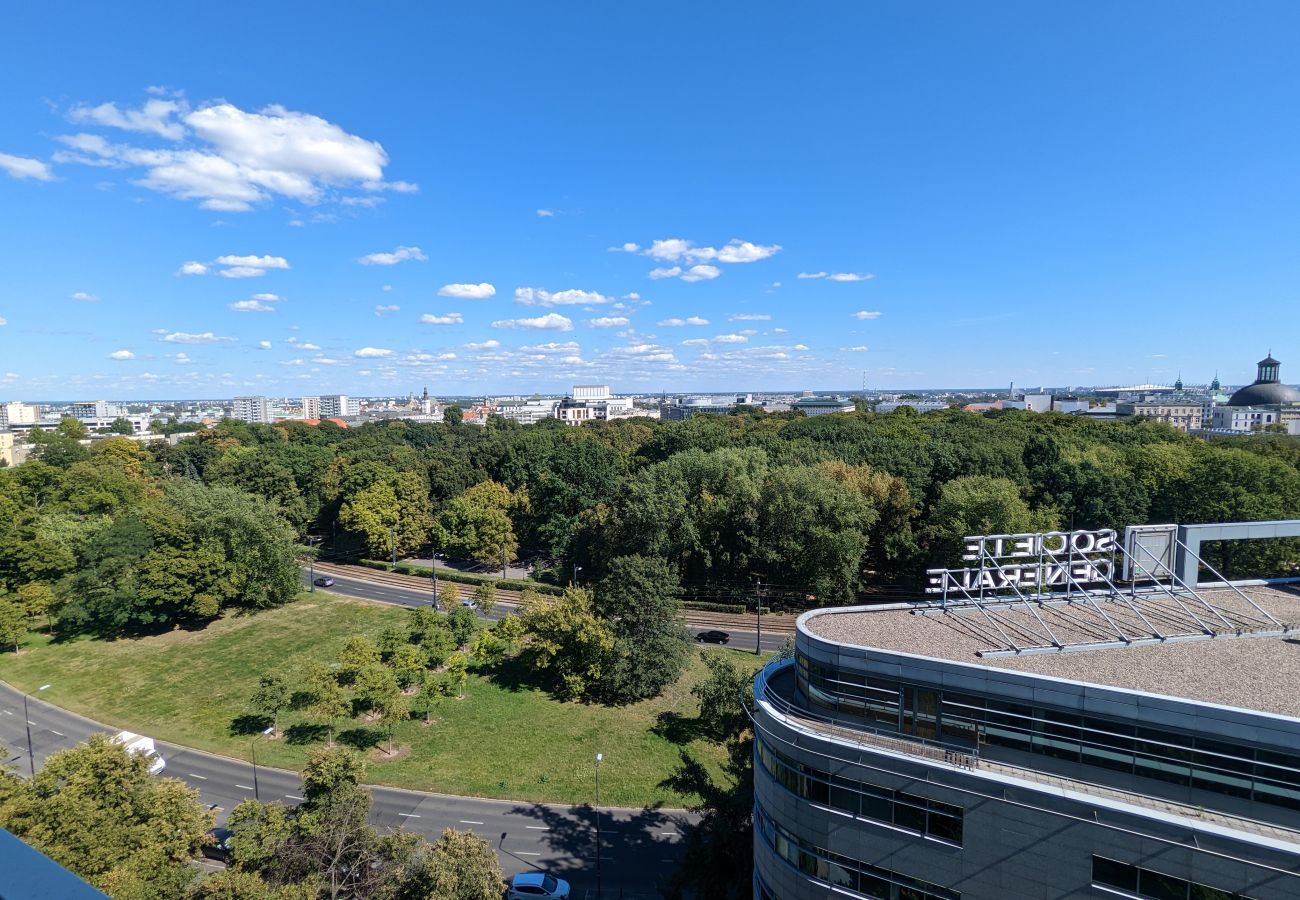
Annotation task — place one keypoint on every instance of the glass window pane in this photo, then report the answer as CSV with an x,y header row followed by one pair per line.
x,y
1204,892
1161,887
1114,874
946,828
909,815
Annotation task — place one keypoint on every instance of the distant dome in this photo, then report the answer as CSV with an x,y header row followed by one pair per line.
x,y
1268,389
1267,394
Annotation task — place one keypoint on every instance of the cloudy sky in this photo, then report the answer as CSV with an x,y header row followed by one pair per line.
x,y
511,197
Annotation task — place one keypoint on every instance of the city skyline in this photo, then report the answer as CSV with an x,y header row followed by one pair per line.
x,y
685,213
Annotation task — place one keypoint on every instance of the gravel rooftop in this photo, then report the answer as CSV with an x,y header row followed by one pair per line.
x,y
1259,673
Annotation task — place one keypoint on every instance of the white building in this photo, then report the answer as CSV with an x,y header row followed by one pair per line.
x,y
95,409
1039,403
311,407
820,406
1242,418
528,412
591,392
252,409
15,412
592,403
334,406
7,447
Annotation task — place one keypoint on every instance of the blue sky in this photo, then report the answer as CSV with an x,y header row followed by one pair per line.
x,y
508,197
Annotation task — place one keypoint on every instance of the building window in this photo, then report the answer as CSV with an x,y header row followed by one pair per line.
x,y
836,870
1152,885
861,799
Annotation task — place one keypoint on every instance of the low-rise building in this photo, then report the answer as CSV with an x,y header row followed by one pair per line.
x,y
921,406
528,412
1184,414
820,406
1243,418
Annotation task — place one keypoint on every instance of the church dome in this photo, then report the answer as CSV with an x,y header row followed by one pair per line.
x,y
1268,389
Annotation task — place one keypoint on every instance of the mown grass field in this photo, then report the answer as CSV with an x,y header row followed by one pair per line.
x,y
505,739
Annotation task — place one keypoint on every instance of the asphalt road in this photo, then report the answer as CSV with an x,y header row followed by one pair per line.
x,y
638,846
387,593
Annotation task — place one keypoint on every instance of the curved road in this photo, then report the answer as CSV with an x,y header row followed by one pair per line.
x,y
638,846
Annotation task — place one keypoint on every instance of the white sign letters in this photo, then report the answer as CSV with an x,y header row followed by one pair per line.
x,y
1033,561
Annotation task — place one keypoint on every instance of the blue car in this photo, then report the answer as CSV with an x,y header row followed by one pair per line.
x,y
531,885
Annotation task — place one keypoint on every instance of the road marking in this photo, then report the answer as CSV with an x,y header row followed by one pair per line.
x,y
199,777
537,827
59,733
295,797
246,787
670,832
525,853
469,822
8,713
409,815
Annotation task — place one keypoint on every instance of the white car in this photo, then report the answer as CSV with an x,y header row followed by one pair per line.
x,y
142,746
531,885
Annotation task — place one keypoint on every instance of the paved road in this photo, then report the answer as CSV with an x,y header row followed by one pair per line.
x,y
402,596
638,847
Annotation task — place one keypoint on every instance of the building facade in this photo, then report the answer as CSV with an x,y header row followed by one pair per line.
x,y
932,775
820,406
527,412
1183,414
252,409
15,412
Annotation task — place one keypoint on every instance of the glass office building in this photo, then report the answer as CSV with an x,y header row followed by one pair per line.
x,y
903,752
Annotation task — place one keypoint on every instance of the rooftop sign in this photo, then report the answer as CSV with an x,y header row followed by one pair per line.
x,y
1029,561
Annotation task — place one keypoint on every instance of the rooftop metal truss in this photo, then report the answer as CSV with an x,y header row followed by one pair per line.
x,y
1158,607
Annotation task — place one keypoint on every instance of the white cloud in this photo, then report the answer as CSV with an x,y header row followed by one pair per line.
x,y
3,321
546,213
21,167
185,337
308,346
242,272
372,353
193,267
701,273
629,247
182,359
483,345
695,342
85,297
865,314
812,274
155,117
387,288
255,262
608,322
731,339
572,297
850,276
548,322
268,298
265,345
734,251
121,354
665,272
451,318
250,306
383,308
480,291
859,349
677,323
749,317
228,159
401,254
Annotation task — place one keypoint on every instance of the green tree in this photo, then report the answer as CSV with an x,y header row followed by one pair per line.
x,y
327,703
271,697
453,415
463,624
38,599
449,596
477,524
719,695
457,672
461,866
979,504
13,623
408,664
485,597
569,641
358,654
96,809
638,601
121,425
510,631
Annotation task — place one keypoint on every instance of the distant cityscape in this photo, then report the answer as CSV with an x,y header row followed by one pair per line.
x,y
1265,405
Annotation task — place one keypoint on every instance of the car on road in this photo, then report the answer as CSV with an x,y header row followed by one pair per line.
x,y
142,746
468,604
713,637
531,885
218,845
324,581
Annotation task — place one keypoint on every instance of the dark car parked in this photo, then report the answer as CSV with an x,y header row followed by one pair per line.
x,y
218,847
713,637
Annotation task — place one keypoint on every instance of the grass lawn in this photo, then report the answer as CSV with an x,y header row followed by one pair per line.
x,y
502,740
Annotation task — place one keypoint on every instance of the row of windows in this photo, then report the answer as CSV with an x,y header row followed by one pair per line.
x,y
910,811
1163,754
1153,885
843,871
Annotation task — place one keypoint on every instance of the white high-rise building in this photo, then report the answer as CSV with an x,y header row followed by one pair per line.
x,y
311,407
337,405
252,409
95,409
15,412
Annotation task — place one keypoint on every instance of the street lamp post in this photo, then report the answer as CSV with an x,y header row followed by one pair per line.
x,y
503,562
599,758
576,569
311,566
252,749
433,566
758,641
27,722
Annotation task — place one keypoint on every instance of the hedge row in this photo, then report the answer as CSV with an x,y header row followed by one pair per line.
x,y
738,609
510,584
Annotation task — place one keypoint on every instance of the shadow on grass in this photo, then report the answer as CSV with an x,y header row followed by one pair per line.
x,y
517,673
361,738
678,729
249,723
306,733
